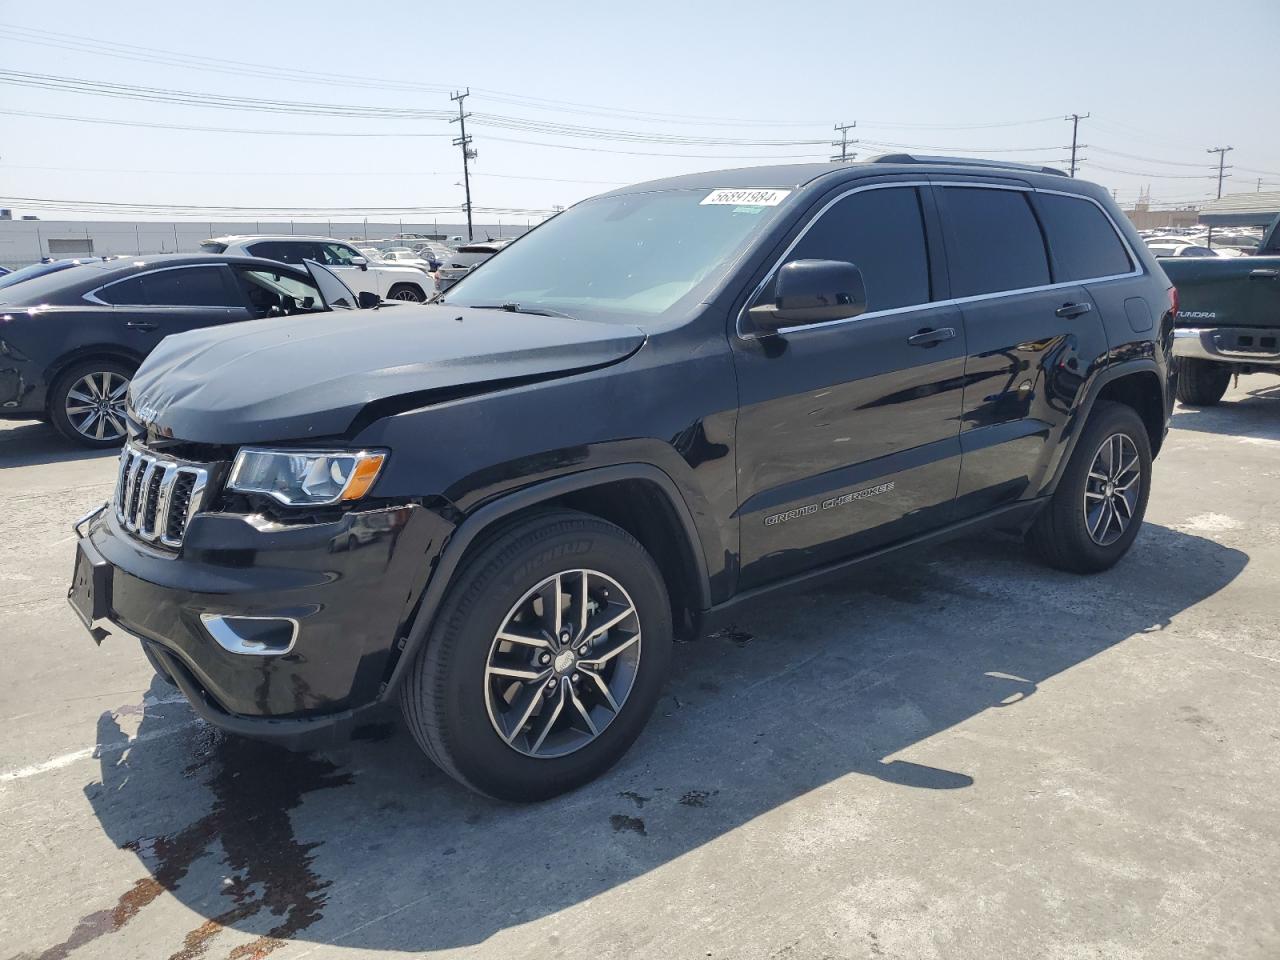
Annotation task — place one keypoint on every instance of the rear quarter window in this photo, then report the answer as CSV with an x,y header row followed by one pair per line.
x,y
1084,243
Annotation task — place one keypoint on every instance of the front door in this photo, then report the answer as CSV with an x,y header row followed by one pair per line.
x,y
848,431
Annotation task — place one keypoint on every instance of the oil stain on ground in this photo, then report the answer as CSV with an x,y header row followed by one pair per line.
x,y
255,786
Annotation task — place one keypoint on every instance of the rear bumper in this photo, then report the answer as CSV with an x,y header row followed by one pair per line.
x,y
342,591
1260,346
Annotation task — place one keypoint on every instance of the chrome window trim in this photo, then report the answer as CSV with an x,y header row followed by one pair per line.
x,y
92,295
930,304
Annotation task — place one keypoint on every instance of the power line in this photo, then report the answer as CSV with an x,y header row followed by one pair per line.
x,y
191,128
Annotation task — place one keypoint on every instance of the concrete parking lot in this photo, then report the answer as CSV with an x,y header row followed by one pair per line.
x,y
963,756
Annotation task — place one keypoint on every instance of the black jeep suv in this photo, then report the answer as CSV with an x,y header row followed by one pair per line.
x,y
500,508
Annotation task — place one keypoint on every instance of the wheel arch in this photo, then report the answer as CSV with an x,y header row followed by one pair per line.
x,y
1135,383
640,498
413,284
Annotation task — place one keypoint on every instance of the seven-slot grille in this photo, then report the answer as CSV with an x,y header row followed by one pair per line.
x,y
156,497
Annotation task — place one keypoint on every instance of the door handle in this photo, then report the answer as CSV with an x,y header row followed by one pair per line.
x,y
931,338
1068,310
1264,273
140,325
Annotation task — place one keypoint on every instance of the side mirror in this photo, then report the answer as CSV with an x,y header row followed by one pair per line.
x,y
812,291
368,300
360,262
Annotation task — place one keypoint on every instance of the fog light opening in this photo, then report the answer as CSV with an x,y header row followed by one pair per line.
x,y
252,636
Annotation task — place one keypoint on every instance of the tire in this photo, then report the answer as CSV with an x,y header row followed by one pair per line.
x,y
1061,535
448,698
77,389
407,292
1201,383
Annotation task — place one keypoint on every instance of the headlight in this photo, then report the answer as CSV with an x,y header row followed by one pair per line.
x,y
306,477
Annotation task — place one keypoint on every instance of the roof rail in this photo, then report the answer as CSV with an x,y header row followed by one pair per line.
x,y
965,162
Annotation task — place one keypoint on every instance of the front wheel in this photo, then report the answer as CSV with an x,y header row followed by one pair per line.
x,y
545,660
407,292
1201,383
1097,509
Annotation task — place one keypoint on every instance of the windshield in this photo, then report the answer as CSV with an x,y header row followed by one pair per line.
x,y
632,253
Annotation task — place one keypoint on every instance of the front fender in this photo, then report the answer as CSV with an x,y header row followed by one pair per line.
x,y
509,504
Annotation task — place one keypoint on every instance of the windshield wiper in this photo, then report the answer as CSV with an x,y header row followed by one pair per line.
x,y
516,308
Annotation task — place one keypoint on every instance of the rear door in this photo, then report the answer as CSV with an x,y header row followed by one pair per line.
x,y
152,305
847,431
1030,341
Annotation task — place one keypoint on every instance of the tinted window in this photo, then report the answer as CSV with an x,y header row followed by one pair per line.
x,y
287,294
287,251
993,241
187,287
1083,242
882,233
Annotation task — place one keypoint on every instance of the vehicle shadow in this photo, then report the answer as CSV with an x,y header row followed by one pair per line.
x,y
369,846
29,444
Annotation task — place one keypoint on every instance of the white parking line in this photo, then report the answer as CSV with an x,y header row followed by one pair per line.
x,y
88,753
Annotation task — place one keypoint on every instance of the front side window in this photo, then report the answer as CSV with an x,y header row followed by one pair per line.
x,y
622,255
180,287
336,254
1084,243
276,293
993,241
881,232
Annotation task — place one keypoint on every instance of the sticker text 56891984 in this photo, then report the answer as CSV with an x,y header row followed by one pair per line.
x,y
750,197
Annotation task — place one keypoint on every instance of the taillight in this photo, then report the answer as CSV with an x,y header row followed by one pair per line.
x,y
1173,302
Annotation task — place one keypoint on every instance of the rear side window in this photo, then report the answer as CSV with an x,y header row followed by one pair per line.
x,y
993,241
184,287
286,251
1083,241
882,233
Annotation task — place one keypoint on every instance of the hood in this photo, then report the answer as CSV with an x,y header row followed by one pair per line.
x,y
289,378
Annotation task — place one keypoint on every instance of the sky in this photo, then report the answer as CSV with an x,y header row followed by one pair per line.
x,y
1162,83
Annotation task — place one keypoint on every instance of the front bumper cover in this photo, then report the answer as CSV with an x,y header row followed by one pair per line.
x,y
350,583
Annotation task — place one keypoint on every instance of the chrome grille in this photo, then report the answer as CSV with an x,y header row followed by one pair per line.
x,y
155,498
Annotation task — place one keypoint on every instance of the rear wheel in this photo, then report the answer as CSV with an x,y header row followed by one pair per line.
x,y
1097,509
545,660
406,291
87,402
1201,383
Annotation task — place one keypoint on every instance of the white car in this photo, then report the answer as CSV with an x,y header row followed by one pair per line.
x,y
405,257
1165,248
388,280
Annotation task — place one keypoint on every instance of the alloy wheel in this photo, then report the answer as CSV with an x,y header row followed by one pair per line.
x,y
408,295
1111,490
562,664
95,405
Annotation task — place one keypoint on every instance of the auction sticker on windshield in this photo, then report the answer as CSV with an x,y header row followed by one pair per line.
x,y
752,198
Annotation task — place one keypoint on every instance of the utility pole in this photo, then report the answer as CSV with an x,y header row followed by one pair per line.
x,y
1222,165
468,154
1075,119
844,143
